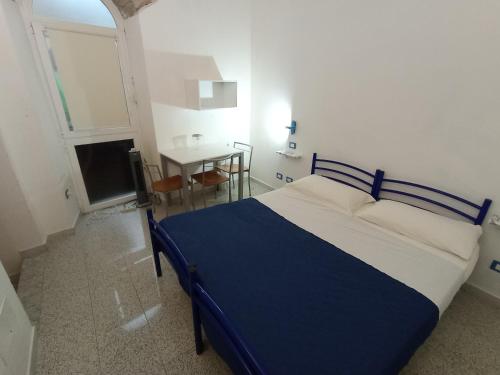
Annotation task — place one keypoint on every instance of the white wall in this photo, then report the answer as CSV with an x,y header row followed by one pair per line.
x,y
28,129
91,12
190,40
411,87
18,230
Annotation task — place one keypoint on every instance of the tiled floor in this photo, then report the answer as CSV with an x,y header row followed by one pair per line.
x,y
100,309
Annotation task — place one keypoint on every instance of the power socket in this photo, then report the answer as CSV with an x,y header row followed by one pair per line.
x,y
279,176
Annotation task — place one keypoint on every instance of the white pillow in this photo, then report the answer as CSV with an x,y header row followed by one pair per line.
x,y
456,237
330,192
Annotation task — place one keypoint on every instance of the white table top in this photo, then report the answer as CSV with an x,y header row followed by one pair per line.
x,y
197,154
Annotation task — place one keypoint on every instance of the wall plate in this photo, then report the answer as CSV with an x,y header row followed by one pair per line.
x,y
289,179
279,176
292,145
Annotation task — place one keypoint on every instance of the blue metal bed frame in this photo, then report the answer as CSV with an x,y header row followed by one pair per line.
x,y
329,169
205,310
482,209
377,186
162,243
237,353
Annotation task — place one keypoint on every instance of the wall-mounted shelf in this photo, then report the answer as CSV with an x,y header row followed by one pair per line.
x,y
207,94
289,154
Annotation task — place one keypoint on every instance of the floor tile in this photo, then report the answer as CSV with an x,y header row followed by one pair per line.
x,y
31,279
65,308
171,324
100,308
111,271
73,363
207,363
129,349
115,305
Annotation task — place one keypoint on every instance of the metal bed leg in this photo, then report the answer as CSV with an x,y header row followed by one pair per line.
x,y
197,329
152,224
156,257
198,338
249,187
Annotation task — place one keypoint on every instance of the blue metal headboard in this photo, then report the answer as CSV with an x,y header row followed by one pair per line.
x,y
369,182
396,188
376,184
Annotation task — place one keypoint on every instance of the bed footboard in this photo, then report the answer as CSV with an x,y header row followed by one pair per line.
x,y
162,243
220,331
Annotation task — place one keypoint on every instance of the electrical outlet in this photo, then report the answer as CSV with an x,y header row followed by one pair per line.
x,y
495,266
279,176
292,145
289,179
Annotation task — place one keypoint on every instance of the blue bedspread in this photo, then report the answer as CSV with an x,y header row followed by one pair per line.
x,y
303,305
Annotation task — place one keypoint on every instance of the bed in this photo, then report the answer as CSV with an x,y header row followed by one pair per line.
x,y
298,286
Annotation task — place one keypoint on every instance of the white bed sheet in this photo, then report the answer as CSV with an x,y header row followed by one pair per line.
x,y
434,273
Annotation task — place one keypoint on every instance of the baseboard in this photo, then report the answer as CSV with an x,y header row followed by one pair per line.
x,y
71,230
262,182
485,293
34,251
40,249
65,232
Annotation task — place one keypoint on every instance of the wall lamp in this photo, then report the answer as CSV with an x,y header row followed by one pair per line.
x,y
292,127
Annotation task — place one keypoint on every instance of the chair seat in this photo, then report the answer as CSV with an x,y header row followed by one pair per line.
x,y
211,178
235,168
167,184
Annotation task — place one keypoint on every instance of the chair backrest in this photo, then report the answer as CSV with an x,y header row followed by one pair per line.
x,y
248,149
151,170
211,164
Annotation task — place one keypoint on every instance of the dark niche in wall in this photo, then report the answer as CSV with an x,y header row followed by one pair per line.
x,y
106,169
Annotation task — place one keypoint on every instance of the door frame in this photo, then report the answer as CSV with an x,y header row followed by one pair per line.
x,y
77,176
35,28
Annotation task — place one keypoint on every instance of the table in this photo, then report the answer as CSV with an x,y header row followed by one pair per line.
x,y
189,157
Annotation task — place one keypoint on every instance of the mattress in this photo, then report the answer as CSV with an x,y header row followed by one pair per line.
x,y
436,274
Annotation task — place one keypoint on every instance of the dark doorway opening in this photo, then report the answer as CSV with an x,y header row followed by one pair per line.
x,y
106,169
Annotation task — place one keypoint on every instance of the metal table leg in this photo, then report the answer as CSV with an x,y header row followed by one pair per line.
x,y
185,188
240,175
164,167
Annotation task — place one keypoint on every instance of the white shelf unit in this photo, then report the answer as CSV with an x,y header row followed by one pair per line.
x,y
207,94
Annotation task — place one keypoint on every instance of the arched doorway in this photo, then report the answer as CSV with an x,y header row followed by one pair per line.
x,y
84,59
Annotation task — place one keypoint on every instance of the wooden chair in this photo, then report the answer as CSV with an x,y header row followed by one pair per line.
x,y
235,168
212,175
162,185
